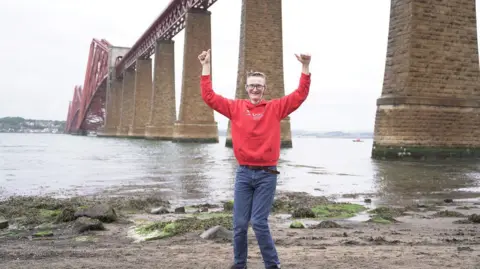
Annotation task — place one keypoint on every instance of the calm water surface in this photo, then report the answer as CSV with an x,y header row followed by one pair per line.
x,y
64,165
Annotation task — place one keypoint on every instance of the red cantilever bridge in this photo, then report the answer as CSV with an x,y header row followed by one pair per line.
x,y
87,110
430,98
120,98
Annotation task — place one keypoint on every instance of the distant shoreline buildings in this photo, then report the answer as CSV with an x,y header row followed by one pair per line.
x,y
21,125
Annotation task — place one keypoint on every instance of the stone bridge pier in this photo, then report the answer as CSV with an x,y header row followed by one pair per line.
x,y
430,102
196,122
261,49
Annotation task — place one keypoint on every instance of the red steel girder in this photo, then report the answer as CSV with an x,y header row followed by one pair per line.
x,y
170,22
74,108
96,73
95,116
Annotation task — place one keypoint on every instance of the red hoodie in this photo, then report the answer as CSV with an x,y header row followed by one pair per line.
x,y
255,128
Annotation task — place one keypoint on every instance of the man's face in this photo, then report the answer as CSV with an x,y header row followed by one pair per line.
x,y
255,88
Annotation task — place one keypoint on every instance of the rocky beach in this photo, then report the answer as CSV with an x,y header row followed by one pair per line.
x,y
309,231
127,204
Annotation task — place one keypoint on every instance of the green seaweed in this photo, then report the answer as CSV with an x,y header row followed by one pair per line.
x,y
297,225
228,206
49,214
43,233
303,213
381,219
338,210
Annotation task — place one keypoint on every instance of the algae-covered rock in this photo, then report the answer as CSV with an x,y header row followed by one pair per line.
x,y
43,234
303,213
159,210
27,211
385,215
33,210
136,203
180,210
448,214
102,212
217,232
337,210
474,218
326,224
382,219
67,215
388,211
46,226
287,202
3,224
164,229
228,206
83,224
297,225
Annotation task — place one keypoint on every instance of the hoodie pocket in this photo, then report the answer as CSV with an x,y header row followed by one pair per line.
x,y
256,150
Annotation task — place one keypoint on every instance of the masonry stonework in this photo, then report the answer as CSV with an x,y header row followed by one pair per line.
x,y
109,128
261,49
162,108
430,102
116,86
128,93
143,92
113,94
196,122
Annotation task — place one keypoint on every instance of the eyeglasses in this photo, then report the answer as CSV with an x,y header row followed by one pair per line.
x,y
252,86
255,74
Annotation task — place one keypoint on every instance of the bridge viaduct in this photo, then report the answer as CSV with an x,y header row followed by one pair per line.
x,y
429,105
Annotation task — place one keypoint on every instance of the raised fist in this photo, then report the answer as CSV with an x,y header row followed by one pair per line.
x,y
204,57
304,58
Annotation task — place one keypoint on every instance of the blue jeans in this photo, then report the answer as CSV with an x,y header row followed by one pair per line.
x,y
253,199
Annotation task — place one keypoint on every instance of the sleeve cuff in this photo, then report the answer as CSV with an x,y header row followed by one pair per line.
x,y
305,76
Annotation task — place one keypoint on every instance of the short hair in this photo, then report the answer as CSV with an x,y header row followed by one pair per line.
x,y
256,74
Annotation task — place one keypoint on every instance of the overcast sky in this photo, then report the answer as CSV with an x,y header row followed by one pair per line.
x,y
45,45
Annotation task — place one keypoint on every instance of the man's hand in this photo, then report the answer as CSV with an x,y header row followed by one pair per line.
x,y
204,57
304,58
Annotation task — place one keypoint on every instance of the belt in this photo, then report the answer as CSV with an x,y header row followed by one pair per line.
x,y
264,168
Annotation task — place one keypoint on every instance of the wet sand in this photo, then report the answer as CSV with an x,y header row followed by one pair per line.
x,y
419,239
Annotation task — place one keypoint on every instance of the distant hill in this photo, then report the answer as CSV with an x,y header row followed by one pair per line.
x,y
22,125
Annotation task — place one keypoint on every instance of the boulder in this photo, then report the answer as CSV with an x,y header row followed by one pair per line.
x,y
475,218
3,224
303,213
102,212
83,224
159,210
180,209
217,232
67,214
326,224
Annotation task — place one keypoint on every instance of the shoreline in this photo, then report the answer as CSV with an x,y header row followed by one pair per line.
x,y
431,235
